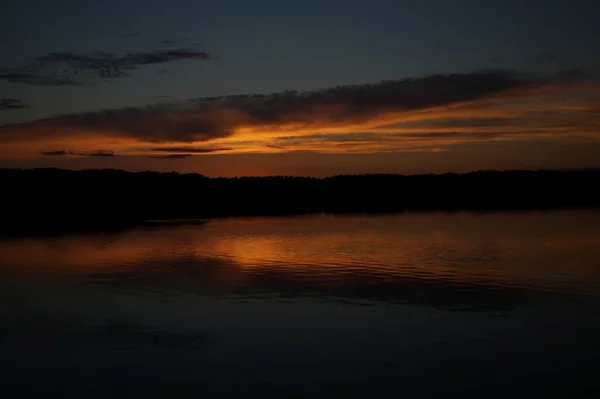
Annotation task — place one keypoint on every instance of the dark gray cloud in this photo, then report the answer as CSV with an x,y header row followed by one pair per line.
x,y
275,146
406,94
162,56
12,103
171,156
19,75
97,153
55,153
65,68
175,152
193,150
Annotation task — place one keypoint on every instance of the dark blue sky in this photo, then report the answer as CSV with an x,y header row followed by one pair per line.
x,y
265,46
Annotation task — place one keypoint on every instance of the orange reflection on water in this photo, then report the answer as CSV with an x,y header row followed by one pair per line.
x,y
545,251
530,249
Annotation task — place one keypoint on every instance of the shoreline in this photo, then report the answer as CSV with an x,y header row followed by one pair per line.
x,y
56,200
93,227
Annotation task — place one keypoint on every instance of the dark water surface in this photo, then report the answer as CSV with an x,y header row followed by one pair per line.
x,y
414,304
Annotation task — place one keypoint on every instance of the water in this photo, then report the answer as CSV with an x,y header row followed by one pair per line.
x,y
417,304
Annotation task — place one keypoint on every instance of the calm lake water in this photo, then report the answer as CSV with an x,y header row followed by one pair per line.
x,y
418,304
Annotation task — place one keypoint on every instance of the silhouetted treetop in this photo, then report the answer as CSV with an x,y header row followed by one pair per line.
x,y
55,199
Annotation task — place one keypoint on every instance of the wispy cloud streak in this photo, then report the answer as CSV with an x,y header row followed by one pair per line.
x,y
189,150
170,156
97,153
69,69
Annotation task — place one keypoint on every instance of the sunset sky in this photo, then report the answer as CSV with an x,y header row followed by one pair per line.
x,y
317,87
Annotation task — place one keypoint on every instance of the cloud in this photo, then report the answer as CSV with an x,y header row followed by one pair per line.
x,y
97,153
358,141
17,75
433,123
7,104
450,135
175,152
334,137
163,56
57,153
189,150
67,69
572,74
182,41
209,118
421,112
171,156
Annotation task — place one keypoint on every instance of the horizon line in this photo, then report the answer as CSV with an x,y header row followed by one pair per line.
x,y
474,171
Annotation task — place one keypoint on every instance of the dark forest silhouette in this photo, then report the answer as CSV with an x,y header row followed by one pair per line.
x,y
57,200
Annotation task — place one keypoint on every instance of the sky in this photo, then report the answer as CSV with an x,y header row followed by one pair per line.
x,y
237,87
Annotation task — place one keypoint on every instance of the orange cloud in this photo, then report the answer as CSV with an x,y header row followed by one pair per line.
x,y
420,114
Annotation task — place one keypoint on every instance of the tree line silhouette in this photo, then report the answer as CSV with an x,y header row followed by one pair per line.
x,y
56,199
